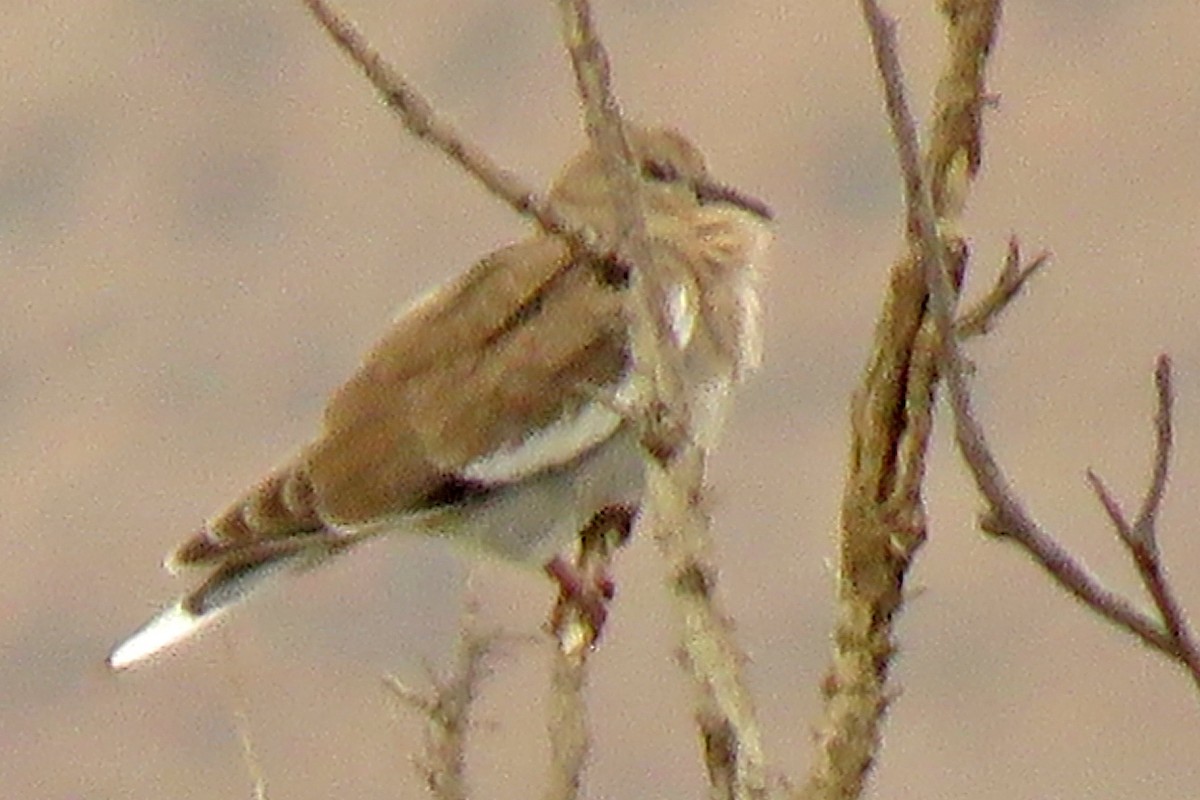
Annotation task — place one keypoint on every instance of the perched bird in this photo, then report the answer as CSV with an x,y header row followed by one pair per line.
x,y
491,412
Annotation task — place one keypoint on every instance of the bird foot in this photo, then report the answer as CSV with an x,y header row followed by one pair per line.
x,y
586,587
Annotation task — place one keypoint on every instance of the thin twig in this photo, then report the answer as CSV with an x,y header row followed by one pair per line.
x,y
1143,534
446,711
982,315
1140,537
419,117
1143,527
1110,505
674,483
1007,517
707,630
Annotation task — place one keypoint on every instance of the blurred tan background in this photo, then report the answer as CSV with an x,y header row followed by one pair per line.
x,y
205,216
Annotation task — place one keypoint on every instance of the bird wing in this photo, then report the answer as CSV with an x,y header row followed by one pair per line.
x,y
515,350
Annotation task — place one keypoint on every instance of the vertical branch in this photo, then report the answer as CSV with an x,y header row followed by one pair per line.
x,y
675,464
883,521
576,622
569,741
446,710
655,365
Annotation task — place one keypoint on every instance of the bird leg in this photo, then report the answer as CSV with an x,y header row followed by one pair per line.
x,y
586,586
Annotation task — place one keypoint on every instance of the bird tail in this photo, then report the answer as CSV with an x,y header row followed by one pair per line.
x,y
273,527
228,586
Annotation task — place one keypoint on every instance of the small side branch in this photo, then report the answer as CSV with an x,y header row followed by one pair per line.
x,y
1012,280
446,711
1006,517
1169,632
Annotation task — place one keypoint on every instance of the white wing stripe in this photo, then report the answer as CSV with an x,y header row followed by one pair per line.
x,y
554,445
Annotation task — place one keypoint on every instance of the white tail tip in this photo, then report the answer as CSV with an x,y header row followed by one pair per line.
x,y
171,626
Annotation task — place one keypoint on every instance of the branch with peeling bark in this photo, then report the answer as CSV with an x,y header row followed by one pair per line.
x,y
1006,516
883,522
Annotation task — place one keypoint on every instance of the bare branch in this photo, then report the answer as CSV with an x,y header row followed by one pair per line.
x,y
1143,538
446,711
883,516
980,317
658,366
1007,517
1140,537
1144,526
675,483
674,469
419,117
1111,507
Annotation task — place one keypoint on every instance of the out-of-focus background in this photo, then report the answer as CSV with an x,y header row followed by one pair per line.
x,y
206,216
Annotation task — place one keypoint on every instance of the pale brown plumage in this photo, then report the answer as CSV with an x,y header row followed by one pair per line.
x,y
526,340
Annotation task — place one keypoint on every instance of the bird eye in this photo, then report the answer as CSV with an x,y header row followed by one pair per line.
x,y
659,171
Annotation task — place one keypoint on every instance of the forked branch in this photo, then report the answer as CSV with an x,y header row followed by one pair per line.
x,y
1166,630
446,711
1006,515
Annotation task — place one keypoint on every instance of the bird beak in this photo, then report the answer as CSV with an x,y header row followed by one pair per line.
x,y
709,192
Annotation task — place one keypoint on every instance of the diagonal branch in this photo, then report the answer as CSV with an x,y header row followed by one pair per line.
x,y
422,121
1007,517
676,485
1140,537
